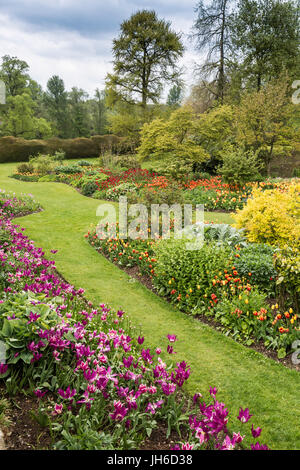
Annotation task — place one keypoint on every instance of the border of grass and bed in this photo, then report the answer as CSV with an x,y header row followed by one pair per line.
x,y
244,377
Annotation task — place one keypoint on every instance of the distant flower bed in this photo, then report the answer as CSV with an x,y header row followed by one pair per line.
x,y
98,385
14,206
144,186
217,195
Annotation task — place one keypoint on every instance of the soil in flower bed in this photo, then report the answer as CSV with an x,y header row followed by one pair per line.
x,y
258,346
25,433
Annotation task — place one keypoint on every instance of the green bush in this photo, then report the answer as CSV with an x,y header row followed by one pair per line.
x,y
59,155
84,163
89,188
16,149
187,273
30,178
99,194
24,168
255,263
169,195
68,169
239,166
122,189
47,179
43,163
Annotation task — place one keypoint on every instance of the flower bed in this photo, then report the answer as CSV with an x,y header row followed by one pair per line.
x,y
98,385
216,195
229,283
12,206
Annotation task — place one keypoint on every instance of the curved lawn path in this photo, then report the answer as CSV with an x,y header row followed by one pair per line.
x,y
244,378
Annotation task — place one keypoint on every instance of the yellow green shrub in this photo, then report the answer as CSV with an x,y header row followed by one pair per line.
x,y
272,216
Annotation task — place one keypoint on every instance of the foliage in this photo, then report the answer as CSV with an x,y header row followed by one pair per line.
x,y
89,188
14,74
184,273
265,34
271,216
68,169
122,189
55,100
239,167
20,120
264,121
24,168
175,96
173,141
212,35
145,56
287,264
256,261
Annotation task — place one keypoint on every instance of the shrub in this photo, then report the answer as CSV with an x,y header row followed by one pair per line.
x,y
287,264
186,275
43,164
59,155
237,315
173,141
89,188
99,194
239,166
24,168
68,169
255,261
271,216
121,190
16,149
47,179
84,163
171,194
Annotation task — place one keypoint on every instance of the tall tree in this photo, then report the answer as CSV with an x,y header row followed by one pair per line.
x,y
99,112
266,36
146,55
265,121
175,95
14,73
79,115
55,99
20,119
212,34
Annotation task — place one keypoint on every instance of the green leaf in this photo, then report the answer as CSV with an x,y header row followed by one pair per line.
x,y
281,353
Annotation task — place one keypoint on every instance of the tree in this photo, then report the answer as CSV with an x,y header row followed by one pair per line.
x,y
264,121
14,74
145,54
55,99
212,35
175,95
99,112
79,117
173,142
266,35
20,120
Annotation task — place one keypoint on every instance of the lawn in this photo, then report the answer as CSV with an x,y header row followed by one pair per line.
x,y
244,377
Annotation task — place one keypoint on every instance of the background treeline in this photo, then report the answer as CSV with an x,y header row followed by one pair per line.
x,y
239,109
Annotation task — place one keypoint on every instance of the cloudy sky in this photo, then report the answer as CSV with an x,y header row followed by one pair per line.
x,y
73,38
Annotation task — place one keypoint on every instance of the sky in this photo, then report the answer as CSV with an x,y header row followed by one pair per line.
x,y
73,38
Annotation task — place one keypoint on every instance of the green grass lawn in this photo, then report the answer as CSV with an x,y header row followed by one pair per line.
x,y
244,377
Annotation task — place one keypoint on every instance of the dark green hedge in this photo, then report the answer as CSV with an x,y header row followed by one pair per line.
x,y
15,149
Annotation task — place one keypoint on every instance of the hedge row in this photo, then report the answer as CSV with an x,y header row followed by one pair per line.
x,y
15,149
